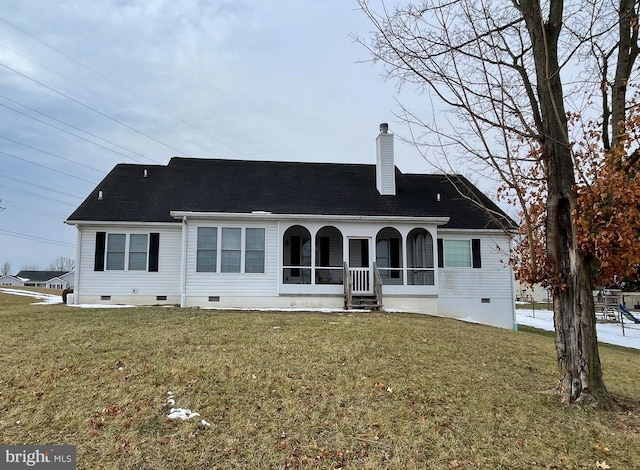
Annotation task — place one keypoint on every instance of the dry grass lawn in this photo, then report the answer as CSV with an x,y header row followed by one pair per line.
x,y
300,390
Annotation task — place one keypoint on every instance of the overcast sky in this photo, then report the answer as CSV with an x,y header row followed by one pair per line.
x,y
85,85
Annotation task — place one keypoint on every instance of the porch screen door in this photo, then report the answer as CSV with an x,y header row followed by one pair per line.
x,y
360,266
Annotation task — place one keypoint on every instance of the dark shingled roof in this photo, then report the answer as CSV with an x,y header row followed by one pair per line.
x,y
241,186
40,276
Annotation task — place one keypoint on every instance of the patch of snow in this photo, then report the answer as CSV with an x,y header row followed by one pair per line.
x,y
103,306
47,299
205,423
610,333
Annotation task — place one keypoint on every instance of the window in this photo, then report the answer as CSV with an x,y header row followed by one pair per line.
x,y
116,244
133,252
207,250
420,258
226,253
231,250
254,251
459,253
138,252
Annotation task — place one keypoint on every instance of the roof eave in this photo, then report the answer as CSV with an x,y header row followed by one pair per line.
x,y
263,215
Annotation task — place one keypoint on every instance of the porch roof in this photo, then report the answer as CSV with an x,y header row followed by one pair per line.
x,y
149,193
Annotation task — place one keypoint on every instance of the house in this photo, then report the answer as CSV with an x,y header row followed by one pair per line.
x,y
9,280
531,293
49,279
265,234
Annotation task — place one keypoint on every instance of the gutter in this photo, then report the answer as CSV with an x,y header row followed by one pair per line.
x,y
263,215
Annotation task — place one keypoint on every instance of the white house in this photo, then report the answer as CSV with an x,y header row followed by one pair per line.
x,y
9,280
50,279
254,234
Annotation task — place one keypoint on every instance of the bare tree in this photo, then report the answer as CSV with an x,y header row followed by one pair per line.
x,y
498,69
6,268
62,263
30,267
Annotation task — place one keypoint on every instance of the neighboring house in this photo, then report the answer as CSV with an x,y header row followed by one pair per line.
x,y
9,280
263,234
527,293
50,279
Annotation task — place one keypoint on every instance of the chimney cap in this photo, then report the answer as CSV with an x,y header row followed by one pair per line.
x,y
384,127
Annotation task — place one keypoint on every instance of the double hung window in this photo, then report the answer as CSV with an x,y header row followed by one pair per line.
x,y
459,253
131,252
236,250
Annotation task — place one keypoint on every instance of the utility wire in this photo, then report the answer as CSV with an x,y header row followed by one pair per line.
x,y
92,109
101,96
34,238
49,153
76,135
35,185
114,82
39,196
47,167
22,207
29,178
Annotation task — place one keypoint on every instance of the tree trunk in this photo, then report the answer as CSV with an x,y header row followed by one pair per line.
x,y
574,314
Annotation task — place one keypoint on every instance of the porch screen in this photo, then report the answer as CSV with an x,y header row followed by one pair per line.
x,y
420,268
296,256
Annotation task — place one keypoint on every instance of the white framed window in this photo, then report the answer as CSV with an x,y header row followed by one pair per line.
x,y
207,250
138,246
121,251
254,250
230,250
116,248
457,253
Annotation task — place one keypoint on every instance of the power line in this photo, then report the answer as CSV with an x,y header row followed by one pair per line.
x,y
34,238
49,153
31,183
92,109
76,135
47,167
114,82
99,95
37,211
39,196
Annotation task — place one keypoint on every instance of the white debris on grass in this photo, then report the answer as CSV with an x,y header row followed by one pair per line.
x,y
180,413
205,423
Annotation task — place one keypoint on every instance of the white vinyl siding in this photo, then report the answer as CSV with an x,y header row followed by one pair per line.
x,y
491,281
119,283
224,284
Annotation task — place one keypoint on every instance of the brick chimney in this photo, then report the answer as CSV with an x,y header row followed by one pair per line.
x,y
385,165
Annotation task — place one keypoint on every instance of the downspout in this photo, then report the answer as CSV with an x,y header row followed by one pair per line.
x,y
76,280
183,265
